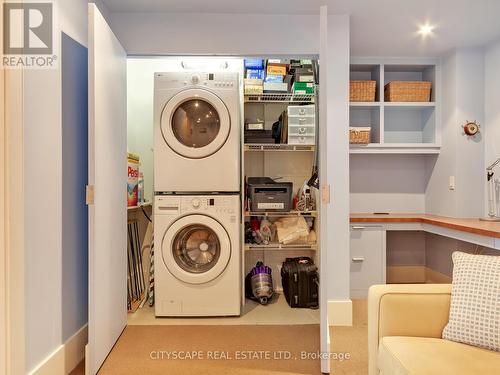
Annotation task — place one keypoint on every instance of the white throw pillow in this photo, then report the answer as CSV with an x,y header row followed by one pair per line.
x,y
475,301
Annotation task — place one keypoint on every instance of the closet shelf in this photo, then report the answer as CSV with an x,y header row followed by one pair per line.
x,y
279,98
393,104
143,204
410,104
279,246
277,147
281,214
364,104
395,148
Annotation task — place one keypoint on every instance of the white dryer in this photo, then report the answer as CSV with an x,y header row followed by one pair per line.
x,y
197,132
197,255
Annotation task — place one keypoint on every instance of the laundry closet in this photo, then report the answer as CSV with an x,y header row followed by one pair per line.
x,y
277,134
236,189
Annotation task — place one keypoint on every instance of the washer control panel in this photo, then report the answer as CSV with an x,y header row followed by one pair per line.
x,y
181,204
214,204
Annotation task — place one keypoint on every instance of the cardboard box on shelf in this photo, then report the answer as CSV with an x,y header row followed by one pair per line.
x,y
275,87
274,78
255,74
274,68
254,63
303,87
304,75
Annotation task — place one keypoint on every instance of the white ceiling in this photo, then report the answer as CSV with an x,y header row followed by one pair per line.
x,y
378,27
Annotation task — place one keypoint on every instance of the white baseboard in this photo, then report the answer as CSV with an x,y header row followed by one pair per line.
x,y
66,357
340,313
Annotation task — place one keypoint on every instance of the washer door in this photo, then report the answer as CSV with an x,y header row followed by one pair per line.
x,y
196,249
195,123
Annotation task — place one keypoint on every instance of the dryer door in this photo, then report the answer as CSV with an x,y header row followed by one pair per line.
x,y
196,249
195,123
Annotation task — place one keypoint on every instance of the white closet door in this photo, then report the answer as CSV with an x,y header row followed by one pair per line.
x,y
324,190
107,175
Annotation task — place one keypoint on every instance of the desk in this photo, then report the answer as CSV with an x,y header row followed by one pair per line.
x,y
483,233
369,238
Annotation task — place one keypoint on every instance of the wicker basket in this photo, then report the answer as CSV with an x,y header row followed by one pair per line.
x,y
359,135
362,91
408,91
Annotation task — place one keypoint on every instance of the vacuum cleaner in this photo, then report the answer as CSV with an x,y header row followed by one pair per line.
x,y
259,284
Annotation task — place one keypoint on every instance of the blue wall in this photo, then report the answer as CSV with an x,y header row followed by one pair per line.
x,y
74,72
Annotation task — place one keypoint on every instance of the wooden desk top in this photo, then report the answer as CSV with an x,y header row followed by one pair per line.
x,y
475,226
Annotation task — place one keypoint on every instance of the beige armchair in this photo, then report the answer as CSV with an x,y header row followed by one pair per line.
x,y
405,323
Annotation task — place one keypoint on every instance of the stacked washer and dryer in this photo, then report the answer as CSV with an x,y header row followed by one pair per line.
x,y
197,186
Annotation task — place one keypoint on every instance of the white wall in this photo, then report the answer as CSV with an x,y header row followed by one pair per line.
x,y
216,34
461,156
492,107
388,183
439,199
42,194
470,175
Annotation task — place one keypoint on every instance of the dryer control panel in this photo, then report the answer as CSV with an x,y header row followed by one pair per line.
x,y
214,80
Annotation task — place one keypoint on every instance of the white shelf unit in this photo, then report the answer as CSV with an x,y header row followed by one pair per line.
x,y
398,127
286,162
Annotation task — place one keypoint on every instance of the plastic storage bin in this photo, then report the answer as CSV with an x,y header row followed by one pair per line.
x,y
302,110
301,130
302,125
301,140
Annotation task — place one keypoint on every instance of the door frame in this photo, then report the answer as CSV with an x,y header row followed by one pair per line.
x,y
12,295
324,192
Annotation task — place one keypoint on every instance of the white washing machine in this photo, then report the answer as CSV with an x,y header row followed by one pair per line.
x,y
197,255
197,132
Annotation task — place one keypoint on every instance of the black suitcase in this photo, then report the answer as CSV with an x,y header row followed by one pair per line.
x,y
299,277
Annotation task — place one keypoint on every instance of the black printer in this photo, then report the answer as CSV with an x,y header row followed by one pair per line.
x,y
265,194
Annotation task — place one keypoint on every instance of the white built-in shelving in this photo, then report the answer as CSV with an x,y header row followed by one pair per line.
x,y
398,127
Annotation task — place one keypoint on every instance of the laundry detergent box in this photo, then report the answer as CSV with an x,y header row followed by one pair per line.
x,y
132,179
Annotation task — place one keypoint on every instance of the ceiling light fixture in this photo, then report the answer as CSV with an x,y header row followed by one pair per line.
x,y
426,30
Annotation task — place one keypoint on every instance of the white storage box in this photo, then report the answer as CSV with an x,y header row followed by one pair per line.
x,y
301,121
302,110
301,140
306,130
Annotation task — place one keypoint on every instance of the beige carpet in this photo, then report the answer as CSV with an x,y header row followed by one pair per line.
x,y
131,354
353,340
